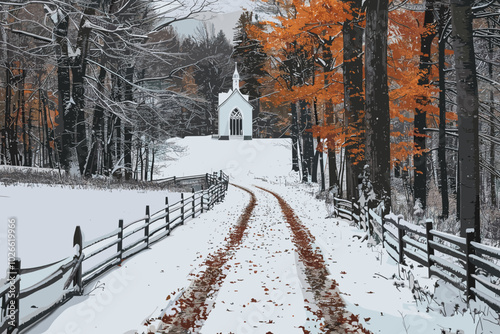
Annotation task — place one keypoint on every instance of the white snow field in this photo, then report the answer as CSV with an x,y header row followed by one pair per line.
x,y
46,217
242,160
264,289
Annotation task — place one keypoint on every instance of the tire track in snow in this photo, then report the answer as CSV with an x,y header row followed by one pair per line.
x,y
190,307
265,289
325,290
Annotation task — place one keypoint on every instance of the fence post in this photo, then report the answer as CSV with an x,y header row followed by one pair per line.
x,y
367,218
175,182
182,208
216,191
78,241
335,207
13,305
167,216
430,250
354,211
470,267
220,177
382,219
370,222
401,234
194,204
361,216
206,180
201,199
146,228
210,198
120,239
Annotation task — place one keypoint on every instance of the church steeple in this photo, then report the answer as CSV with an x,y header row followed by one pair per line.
x,y
236,77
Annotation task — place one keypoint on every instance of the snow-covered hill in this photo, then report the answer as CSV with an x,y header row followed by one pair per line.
x,y
46,216
241,160
373,286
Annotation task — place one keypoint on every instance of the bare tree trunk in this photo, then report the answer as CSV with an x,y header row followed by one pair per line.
x,y
142,163
118,146
308,149
468,116
97,131
442,117
295,132
420,121
109,144
318,154
129,75
137,155
332,158
10,148
146,162
46,130
152,162
78,70
30,133
353,99
64,90
493,192
5,54
378,153
23,118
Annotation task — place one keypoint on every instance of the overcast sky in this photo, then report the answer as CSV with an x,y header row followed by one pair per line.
x,y
227,13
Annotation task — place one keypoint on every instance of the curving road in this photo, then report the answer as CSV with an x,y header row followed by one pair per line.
x,y
267,278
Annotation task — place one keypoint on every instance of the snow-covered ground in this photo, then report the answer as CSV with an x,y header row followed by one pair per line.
x,y
264,288
120,301
46,217
372,284
242,160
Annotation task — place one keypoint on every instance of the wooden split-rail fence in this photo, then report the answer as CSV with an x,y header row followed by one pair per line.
x,y
67,278
470,266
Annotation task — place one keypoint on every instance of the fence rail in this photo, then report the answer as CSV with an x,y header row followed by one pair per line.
x,y
469,266
95,257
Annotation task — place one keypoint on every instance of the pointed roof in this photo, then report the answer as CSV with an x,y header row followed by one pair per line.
x,y
236,92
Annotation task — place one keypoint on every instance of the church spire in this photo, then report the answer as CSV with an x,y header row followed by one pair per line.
x,y
236,77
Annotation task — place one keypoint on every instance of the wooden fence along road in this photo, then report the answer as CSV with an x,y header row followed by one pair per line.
x,y
469,266
67,278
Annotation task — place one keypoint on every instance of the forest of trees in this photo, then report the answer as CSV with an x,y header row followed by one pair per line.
x,y
402,96
95,87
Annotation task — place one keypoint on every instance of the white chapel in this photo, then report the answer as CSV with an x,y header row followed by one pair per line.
x,y
235,112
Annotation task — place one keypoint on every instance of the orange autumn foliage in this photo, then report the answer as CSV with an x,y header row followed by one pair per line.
x,y
305,27
39,106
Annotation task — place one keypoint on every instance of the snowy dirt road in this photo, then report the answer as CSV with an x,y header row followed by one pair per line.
x,y
267,278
